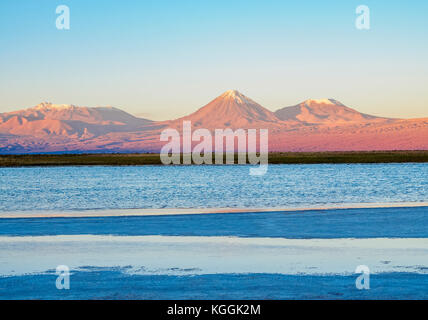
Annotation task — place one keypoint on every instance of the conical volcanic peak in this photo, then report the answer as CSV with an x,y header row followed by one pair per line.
x,y
323,111
237,97
231,109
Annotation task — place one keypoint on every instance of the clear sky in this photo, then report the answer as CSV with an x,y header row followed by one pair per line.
x,y
165,59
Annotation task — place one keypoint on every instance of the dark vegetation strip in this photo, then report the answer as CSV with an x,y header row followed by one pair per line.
x,y
118,159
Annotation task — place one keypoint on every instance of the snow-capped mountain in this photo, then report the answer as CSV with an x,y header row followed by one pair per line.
x,y
233,110
323,111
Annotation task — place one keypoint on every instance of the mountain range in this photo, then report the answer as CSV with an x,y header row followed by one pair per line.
x,y
313,125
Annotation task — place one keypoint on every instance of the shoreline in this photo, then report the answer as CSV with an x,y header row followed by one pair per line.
x,y
197,211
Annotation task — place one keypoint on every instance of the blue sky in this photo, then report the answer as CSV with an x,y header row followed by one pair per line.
x,y
164,59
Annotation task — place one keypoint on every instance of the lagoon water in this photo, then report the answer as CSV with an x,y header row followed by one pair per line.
x,y
310,254
82,188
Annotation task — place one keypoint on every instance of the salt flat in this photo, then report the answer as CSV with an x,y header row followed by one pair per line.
x,y
193,211
184,255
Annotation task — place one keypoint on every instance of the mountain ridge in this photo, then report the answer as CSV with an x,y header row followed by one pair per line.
x,y
46,118
312,125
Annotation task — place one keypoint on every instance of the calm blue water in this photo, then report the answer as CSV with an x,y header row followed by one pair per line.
x,y
319,224
80,188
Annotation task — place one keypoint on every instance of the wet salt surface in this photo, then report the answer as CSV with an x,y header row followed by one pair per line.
x,y
293,255
178,255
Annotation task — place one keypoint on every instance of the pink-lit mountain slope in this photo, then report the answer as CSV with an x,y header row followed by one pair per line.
x,y
324,111
313,125
230,110
49,120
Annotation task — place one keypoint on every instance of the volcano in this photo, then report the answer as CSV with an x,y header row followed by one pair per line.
x,y
232,110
